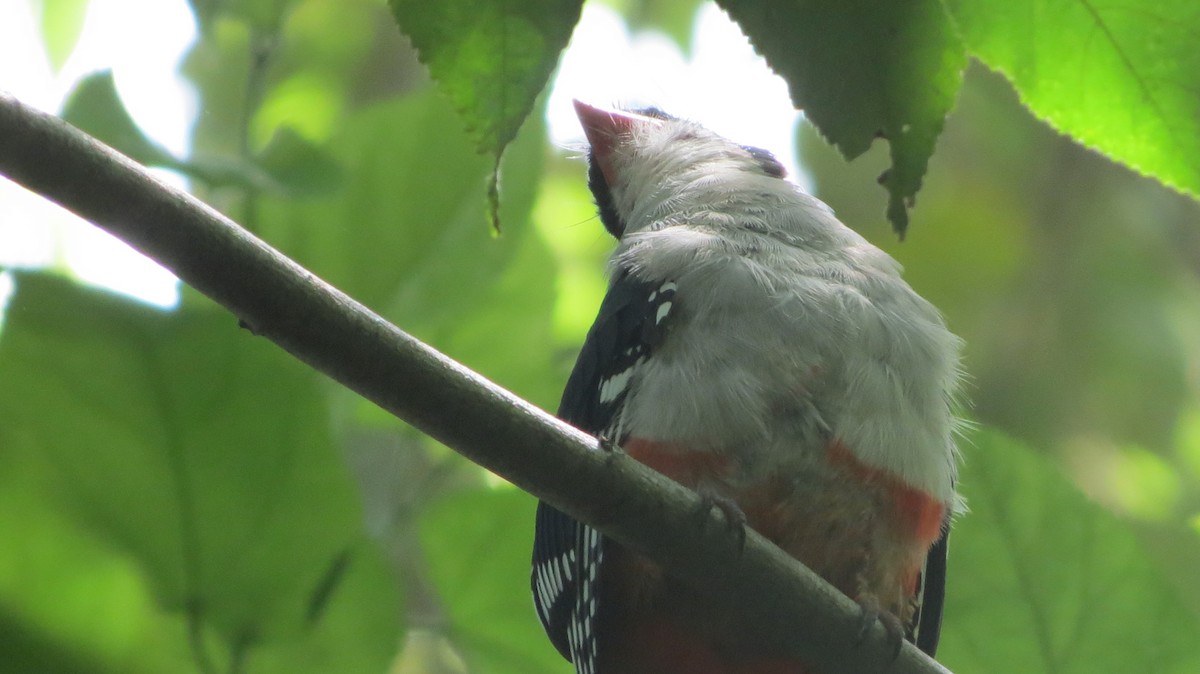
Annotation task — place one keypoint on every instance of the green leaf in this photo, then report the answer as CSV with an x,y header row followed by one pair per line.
x,y
220,65
411,180
96,108
354,624
289,164
1118,77
491,58
196,449
1043,580
297,166
862,69
68,601
62,22
477,546
406,235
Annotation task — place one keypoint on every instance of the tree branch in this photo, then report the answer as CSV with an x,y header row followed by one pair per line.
x,y
787,605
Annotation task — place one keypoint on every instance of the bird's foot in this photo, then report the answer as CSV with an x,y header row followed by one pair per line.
x,y
608,446
735,518
872,612
607,443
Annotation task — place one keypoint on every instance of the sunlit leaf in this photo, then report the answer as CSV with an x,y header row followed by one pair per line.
x,y
1120,77
62,22
306,103
1146,485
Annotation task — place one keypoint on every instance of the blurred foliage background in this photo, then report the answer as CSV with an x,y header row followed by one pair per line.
x,y
178,497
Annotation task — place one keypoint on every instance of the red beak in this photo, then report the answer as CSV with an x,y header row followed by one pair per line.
x,y
604,129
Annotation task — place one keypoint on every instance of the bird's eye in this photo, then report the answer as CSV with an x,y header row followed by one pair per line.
x,y
766,161
656,113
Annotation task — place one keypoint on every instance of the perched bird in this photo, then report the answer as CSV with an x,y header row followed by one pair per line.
x,y
754,348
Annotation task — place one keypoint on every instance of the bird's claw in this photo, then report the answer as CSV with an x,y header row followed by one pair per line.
x,y
872,612
606,442
609,447
735,518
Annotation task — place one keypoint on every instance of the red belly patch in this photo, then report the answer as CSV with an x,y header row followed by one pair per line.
x,y
828,519
918,514
686,466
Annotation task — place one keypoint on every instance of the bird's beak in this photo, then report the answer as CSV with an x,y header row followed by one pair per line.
x,y
604,129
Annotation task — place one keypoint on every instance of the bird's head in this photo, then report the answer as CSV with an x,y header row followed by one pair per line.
x,y
644,164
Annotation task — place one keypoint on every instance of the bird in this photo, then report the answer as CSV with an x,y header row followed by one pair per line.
x,y
751,347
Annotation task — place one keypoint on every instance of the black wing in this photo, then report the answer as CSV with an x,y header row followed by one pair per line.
x,y
567,554
927,623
